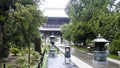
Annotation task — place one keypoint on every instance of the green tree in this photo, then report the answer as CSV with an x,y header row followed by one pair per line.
x,y
4,10
65,31
29,19
87,16
19,24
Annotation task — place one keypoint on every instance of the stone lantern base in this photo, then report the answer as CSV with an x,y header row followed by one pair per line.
x,y
52,52
100,57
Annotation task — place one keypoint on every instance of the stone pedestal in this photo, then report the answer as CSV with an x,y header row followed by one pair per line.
x,y
119,53
100,57
52,53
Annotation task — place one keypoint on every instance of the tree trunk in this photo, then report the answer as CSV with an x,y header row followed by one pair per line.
x,y
1,33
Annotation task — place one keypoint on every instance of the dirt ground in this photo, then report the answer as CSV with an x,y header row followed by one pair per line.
x,y
9,61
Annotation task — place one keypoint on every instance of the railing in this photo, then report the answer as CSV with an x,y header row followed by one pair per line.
x,y
40,62
52,26
4,65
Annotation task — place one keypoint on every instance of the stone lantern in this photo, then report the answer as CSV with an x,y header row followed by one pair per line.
x,y
100,51
67,53
52,49
52,39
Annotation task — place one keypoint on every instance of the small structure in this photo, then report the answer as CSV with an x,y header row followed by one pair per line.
x,y
100,51
119,53
52,49
67,53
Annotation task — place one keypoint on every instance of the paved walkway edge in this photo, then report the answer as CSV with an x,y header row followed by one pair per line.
x,y
113,60
79,63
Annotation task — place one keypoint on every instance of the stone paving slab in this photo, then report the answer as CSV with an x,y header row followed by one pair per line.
x,y
58,62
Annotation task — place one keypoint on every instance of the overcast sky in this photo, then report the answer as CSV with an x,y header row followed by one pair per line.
x,y
55,3
55,8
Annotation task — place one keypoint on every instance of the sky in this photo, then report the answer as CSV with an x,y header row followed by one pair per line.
x,y
55,3
54,8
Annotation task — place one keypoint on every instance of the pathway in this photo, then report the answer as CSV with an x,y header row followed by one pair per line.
x,y
58,62
83,56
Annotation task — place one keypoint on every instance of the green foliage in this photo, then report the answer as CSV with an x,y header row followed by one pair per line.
x,y
66,31
2,18
114,57
115,46
80,48
19,25
4,51
91,17
21,62
45,62
22,23
15,51
38,44
34,57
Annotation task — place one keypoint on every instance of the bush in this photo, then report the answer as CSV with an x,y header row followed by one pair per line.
x,y
15,51
115,46
21,62
34,57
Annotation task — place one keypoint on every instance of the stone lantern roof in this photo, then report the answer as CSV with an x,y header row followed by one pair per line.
x,y
52,36
100,39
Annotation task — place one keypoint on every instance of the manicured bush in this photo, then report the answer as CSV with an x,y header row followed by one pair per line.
x,y
15,51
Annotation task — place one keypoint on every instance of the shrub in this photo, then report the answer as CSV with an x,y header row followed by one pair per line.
x,y
34,57
15,51
21,62
115,46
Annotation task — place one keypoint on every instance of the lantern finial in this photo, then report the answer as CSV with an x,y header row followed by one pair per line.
x,y
99,36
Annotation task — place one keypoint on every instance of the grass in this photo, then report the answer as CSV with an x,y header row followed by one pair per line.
x,y
80,48
45,62
6,66
114,57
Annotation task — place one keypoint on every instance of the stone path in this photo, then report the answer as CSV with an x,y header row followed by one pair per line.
x,y
86,58
58,62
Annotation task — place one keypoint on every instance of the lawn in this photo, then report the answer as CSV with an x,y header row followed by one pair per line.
x,y
79,48
114,57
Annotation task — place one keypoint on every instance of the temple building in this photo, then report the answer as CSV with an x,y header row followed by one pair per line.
x,y
56,18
